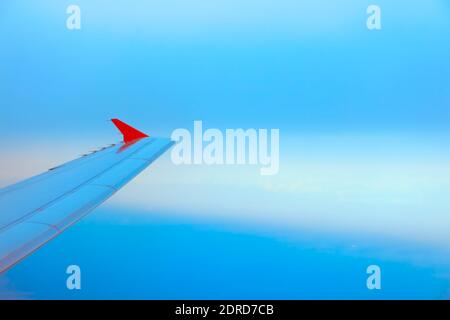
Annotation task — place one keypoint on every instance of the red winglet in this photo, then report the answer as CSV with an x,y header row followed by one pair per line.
x,y
129,133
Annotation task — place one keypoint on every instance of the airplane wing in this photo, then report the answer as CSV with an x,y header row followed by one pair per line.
x,y
36,210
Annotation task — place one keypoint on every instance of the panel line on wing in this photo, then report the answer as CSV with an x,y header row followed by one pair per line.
x,y
57,170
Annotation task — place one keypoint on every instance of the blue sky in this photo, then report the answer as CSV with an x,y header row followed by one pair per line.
x,y
363,116
301,67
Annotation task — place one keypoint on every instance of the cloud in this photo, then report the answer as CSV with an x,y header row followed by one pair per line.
x,y
399,190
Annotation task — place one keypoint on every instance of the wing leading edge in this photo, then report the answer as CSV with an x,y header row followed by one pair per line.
x,y
36,210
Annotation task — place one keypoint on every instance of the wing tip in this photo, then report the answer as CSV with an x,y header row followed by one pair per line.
x,y
129,133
